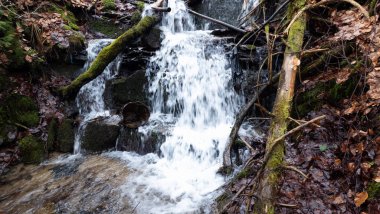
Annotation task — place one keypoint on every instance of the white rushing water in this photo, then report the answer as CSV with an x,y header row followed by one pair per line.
x,y
191,88
89,100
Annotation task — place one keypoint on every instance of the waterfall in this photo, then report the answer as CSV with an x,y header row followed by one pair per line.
x,y
89,100
190,83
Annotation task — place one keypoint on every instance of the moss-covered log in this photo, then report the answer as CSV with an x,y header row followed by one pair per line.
x,y
107,55
267,186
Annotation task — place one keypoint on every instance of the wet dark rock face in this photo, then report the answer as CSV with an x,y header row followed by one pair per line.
x,y
133,141
122,90
99,135
65,136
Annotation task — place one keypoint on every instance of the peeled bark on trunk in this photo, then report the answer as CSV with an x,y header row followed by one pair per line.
x,y
107,55
267,186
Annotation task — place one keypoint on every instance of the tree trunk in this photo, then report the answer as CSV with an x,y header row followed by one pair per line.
x,y
267,186
107,55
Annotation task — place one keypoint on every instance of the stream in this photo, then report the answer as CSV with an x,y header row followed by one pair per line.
x,y
191,95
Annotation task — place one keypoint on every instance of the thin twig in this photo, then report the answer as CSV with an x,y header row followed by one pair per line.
x,y
296,170
287,205
247,145
297,129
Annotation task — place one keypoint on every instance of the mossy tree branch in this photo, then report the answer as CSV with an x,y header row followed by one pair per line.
x,y
107,55
267,186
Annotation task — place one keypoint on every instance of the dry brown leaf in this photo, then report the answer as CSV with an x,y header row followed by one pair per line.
x,y
338,200
360,198
351,166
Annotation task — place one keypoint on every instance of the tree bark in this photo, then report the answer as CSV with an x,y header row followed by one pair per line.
x,y
267,186
107,55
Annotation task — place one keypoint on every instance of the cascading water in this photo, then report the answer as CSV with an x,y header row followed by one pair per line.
x,y
191,87
90,100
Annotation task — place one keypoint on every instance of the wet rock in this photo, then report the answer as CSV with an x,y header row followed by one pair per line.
x,y
135,114
134,58
152,40
99,135
66,136
32,150
134,141
127,89
88,185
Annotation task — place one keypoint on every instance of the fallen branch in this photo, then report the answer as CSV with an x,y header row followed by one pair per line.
x,y
239,120
275,147
354,3
217,21
107,55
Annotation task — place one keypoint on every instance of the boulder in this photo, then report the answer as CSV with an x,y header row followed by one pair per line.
x,y
66,136
123,90
135,114
152,40
142,143
32,150
99,135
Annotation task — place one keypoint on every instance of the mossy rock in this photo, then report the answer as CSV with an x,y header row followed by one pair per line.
x,y
21,109
66,136
140,5
9,40
109,4
105,27
77,41
66,15
52,134
373,190
32,150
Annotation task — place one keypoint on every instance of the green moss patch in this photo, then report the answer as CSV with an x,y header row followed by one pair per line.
x,y
109,4
32,150
105,27
373,190
20,109
9,40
